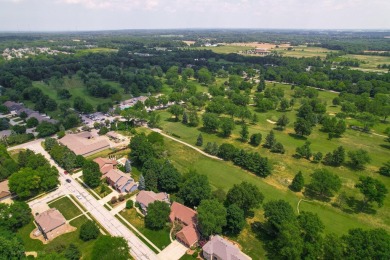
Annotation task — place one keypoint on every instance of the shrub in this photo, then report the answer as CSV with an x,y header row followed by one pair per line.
x,y
129,204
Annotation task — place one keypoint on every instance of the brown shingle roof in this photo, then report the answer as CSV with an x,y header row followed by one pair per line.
x,y
105,164
146,197
50,220
182,213
223,249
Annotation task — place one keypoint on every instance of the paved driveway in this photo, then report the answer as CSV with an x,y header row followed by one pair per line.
x,y
173,252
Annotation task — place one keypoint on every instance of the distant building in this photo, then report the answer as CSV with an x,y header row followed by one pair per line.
x,y
144,198
219,248
84,143
18,108
131,102
49,220
188,235
120,181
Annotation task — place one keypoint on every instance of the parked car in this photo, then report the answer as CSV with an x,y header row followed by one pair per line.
x,y
68,180
65,172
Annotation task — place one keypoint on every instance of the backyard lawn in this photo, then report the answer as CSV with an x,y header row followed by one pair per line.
x,y
158,237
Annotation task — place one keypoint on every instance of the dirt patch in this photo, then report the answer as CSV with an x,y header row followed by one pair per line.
x,y
33,253
189,42
53,234
262,45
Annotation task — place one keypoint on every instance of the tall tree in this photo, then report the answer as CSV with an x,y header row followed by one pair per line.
x,y
211,217
244,133
195,189
235,219
324,183
298,182
245,195
359,158
158,214
372,189
91,174
199,140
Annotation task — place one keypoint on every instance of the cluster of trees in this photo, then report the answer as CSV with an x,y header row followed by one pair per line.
x,y
297,237
272,144
62,155
7,165
250,161
12,218
35,175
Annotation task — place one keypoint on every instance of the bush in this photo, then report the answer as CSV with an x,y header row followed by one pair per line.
x,y
121,197
255,139
114,200
89,230
129,204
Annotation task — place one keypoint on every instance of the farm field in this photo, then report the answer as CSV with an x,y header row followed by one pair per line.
x,y
371,61
225,49
303,51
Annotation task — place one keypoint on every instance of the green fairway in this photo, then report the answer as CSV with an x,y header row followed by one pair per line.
x,y
66,207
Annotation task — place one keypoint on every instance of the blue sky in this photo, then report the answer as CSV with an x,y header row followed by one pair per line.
x,y
77,15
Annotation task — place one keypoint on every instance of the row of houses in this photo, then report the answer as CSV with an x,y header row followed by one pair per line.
x,y
217,248
117,179
19,108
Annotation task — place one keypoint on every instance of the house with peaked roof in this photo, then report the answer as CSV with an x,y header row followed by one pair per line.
x,y
144,198
4,190
219,248
120,181
189,234
49,220
105,164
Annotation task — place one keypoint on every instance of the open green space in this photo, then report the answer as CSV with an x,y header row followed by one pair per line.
x,y
66,207
95,50
158,237
62,241
224,49
370,61
303,51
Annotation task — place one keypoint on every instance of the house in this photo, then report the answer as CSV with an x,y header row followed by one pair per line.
x,y
84,143
105,165
18,108
144,198
120,181
219,248
186,216
13,106
49,220
4,190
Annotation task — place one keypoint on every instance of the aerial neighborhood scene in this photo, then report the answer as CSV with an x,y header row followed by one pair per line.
x,y
178,130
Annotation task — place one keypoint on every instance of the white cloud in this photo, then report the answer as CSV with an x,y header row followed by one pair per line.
x,y
114,4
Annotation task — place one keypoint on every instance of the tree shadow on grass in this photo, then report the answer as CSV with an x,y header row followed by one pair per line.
x,y
358,206
298,137
312,195
172,120
260,231
386,146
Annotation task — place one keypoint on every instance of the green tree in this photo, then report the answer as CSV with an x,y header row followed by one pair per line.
x,y
45,129
106,247
72,252
91,174
284,104
199,140
324,183
277,212
158,214
278,148
211,217
176,110
270,140
141,149
32,122
185,118
235,219
210,122
141,183
88,231
336,158
372,189
245,195
255,139
282,122
385,169
304,151
227,126
298,182
15,216
358,158
195,189
311,231
127,166
11,248
204,76
333,247
244,133
302,127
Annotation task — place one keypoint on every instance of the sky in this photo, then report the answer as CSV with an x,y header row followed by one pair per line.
x,y
82,15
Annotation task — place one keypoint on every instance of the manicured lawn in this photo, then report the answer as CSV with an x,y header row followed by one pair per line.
x,y
103,190
62,241
66,207
158,237
107,152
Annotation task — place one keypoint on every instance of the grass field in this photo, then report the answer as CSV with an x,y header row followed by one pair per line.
x,y
158,237
370,61
224,174
303,51
66,207
76,89
94,50
62,241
